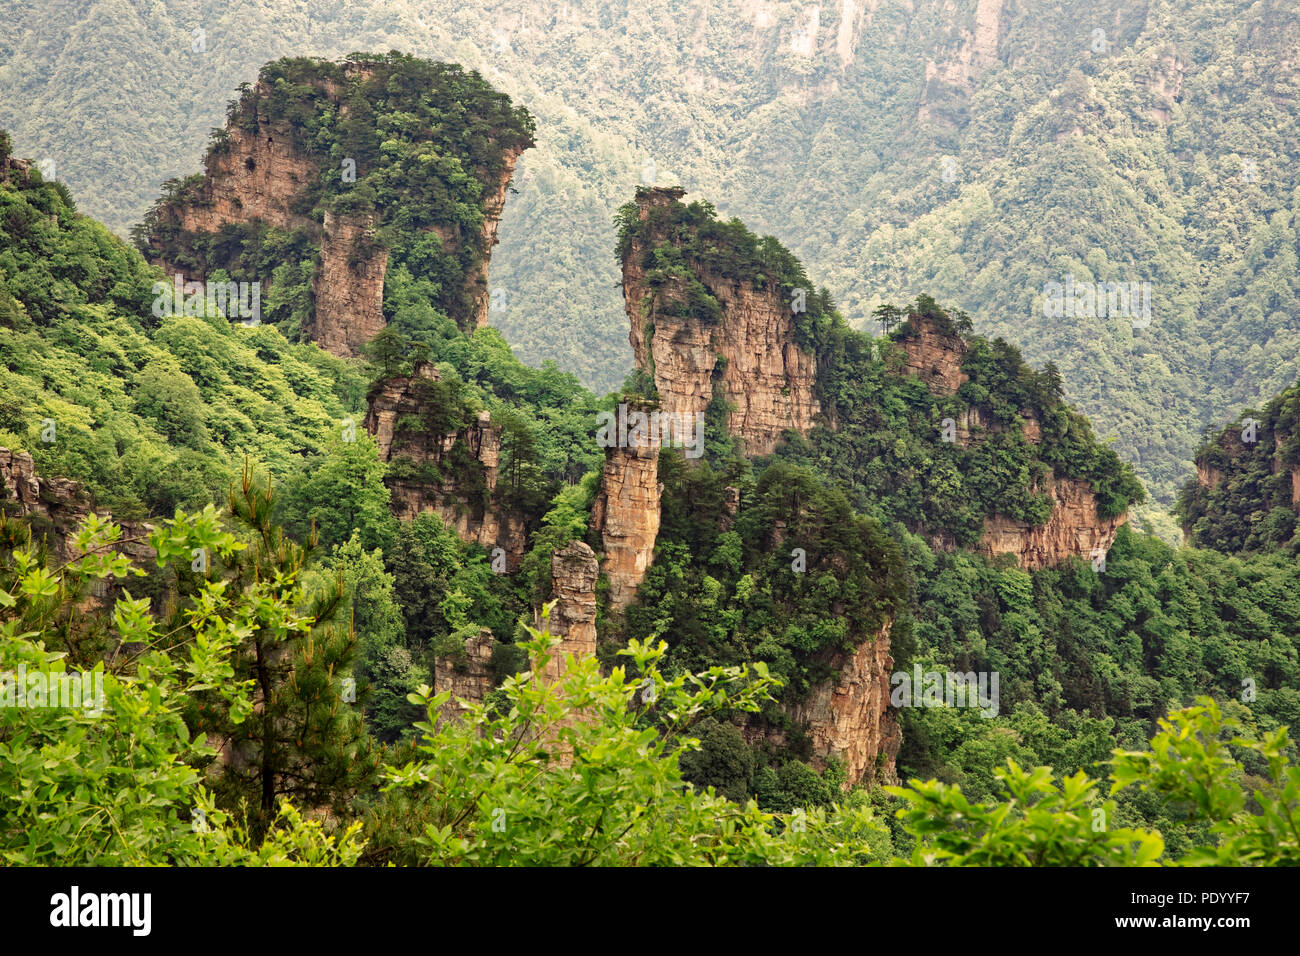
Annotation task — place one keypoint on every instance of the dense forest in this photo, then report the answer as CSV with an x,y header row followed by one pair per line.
x,y
974,152
282,572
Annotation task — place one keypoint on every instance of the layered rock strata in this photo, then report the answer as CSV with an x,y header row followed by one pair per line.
x,y
463,499
750,356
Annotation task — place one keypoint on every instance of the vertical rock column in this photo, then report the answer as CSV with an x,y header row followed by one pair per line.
x,y
626,515
573,618
574,570
469,679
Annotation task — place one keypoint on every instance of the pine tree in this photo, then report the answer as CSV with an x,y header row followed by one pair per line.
x,y
306,738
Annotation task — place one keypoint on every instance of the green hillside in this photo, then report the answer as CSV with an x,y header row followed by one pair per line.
x,y
974,154
1190,647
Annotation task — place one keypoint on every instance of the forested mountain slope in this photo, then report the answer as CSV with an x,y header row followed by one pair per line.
x,y
1246,493
1088,660
974,152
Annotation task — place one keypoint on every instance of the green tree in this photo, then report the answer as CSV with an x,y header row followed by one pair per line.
x,y
306,738
338,492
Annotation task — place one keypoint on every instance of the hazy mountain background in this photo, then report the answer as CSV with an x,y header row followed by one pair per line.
x,y
972,149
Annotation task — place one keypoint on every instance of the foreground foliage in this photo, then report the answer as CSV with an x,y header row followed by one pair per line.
x,y
580,770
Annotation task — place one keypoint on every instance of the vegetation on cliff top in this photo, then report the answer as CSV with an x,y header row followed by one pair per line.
x,y
1248,501
409,146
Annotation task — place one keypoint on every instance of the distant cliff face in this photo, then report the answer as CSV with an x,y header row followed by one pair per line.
x,y
749,354
1073,530
467,677
266,171
953,72
450,473
848,718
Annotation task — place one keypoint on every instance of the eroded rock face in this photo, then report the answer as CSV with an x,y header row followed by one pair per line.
x,y
751,353
461,498
55,508
626,515
1074,529
260,175
1207,476
494,201
934,355
974,424
848,718
1165,81
574,570
349,286
469,679
975,51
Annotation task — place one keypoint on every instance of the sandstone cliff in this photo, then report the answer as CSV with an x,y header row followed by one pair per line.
x,y
1229,454
349,286
463,496
934,354
469,678
1074,529
848,718
626,516
750,356
573,618
55,509
259,173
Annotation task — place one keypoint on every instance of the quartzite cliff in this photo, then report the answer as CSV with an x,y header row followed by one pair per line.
x,y
256,173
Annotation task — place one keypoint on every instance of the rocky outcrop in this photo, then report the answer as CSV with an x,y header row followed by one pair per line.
x,y
1073,530
467,677
934,354
973,424
349,286
1207,476
463,497
849,719
256,175
494,201
574,571
257,172
1164,80
55,508
626,516
749,356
